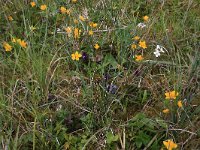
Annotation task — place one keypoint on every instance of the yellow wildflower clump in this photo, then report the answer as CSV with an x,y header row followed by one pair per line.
x,y
139,57
171,95
165,111
7,46
76,56
142,44
146,18
33,4
43,7
96,46
169,144
22,43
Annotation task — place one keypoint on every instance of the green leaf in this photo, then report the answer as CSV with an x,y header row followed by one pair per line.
x,y
110,60
162,123
138,143
111,138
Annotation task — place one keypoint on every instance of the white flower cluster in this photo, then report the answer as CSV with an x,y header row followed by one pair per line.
x,y
159,49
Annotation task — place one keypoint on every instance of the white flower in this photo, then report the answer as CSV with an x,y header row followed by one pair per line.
x,y
141,25
58,29
157,53
159,49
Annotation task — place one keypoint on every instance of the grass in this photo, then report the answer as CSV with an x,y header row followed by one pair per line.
x,y
106,99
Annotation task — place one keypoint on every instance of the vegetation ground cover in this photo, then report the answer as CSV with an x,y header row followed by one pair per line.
x,y
100,74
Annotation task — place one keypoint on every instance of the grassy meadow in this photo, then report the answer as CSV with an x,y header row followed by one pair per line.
x,y
100,74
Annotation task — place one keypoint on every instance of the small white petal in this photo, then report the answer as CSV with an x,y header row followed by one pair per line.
x,y
157,53
141,25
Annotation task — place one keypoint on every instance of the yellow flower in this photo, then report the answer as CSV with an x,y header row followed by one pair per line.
x,y
81,18
76,56
76,33
96,46
74,1
90,32
136,38
68,11
13,40
43,7
165,111
7,46
68,30
92,24
63,10
22,43
179,103
32,4
133,46
139,57
142,44
145,18
10,18
171,95
169,144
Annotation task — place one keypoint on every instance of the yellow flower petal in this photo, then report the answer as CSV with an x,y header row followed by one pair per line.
x,y
43,7
145,18
142,44
179,103
76,56
23,44
7,46
139,57
81,18
165,111
90,32
171,95
133,46
33,4
73,56
10,18
136,38
96,46
76,33
63,10
170,145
